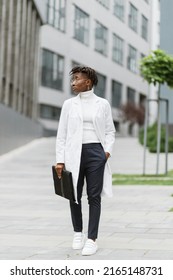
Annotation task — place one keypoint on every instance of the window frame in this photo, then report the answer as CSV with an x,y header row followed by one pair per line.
x,y
116,102
52,70
100,89
54,11
144,27
52,110
132,59
131,92
118,49
119,9
133,17
101,42
104,3
82,24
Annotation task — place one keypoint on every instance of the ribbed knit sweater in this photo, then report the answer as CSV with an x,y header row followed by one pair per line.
x,y
87,104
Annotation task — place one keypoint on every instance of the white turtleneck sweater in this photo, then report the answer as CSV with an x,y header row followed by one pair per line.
x,y
89,133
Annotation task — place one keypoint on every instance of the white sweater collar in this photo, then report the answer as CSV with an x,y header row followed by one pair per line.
x,y
86,94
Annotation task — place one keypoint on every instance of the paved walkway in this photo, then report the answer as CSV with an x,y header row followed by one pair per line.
x,y
130,155
35,223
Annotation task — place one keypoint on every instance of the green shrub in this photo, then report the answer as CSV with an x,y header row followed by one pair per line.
x,y
152,139
151,134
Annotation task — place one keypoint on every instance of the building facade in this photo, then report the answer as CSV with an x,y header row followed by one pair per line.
x,y
109,35
155,44
166,43
20,23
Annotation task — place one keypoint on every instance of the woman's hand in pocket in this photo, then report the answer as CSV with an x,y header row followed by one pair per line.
x,y
107,155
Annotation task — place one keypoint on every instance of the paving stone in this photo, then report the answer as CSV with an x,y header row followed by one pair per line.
x,y
35,224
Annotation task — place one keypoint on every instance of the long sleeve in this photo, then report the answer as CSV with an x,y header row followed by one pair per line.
x,y
109,130
62,133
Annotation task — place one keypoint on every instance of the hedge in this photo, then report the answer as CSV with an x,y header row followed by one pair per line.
x,y
152,139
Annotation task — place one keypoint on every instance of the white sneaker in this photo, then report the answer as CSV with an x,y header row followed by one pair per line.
x,y
78,240
89,248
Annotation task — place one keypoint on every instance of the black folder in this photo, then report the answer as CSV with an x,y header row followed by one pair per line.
x,y
64,185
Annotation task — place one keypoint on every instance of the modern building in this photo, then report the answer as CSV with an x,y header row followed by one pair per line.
x,y
20,22
166,43
109,35
154,44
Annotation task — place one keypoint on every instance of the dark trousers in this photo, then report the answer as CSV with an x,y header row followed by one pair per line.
x,y
92,166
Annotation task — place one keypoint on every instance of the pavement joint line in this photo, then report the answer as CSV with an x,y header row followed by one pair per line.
x,y
134,223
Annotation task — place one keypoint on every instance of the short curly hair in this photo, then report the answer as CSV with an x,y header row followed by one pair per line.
x,y
88,71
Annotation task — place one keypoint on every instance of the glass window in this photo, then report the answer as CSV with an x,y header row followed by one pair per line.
x,y
56,13
52,70
104,3
81,26
130,95
116,94
132,59
142,99
133,17
101,86
49,112
142,56
101,38
119,9
144,28
117,52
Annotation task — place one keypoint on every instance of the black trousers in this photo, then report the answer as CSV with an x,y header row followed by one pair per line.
x,y
92,166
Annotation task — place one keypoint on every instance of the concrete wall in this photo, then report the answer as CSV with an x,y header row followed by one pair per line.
x,y
41,7
16,130
19,76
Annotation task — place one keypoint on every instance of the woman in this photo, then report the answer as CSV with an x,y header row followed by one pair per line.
x,y
84,143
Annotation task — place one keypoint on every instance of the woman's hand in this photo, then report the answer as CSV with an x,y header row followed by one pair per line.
x,y
59,167
107,155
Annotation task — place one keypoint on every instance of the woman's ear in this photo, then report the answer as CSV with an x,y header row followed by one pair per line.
x,y
89,83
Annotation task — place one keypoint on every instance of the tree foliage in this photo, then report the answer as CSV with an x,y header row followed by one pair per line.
x,y
157,67
133,113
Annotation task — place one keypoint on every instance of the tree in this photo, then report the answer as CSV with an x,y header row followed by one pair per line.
x,y
157,69
133,113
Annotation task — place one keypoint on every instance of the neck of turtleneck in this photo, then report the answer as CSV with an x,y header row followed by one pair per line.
x,y
86,94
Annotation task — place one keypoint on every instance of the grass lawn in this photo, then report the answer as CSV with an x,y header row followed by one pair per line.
x,y
134,179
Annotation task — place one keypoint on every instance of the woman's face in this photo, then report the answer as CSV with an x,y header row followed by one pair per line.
x,y
80,83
